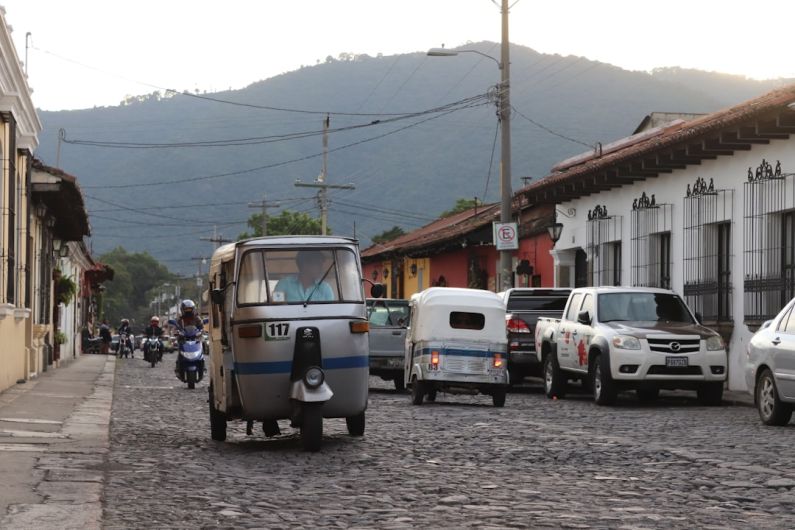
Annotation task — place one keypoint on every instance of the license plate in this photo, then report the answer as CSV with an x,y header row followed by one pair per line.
x,y
673,362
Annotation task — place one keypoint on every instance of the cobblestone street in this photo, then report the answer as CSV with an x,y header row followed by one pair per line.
x,y
458,462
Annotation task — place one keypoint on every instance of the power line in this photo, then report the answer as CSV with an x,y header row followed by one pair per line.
x,y
491,161
283,163
258,140
550,131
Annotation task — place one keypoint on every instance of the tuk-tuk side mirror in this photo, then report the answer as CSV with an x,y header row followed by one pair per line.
x,y
583,318
377,290
217,296
172,322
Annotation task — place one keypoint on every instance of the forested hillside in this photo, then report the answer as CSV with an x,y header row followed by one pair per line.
x,y
408,165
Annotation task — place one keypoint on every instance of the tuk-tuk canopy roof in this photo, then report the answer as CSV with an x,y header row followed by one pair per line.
x,y
434,305
227,252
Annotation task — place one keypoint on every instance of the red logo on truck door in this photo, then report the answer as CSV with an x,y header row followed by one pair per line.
x,y
582,354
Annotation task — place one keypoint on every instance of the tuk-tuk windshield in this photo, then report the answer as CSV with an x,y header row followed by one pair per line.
x,y
298,276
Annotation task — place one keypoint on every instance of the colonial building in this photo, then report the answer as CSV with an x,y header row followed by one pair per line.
x,y
19,129
458,251
704,206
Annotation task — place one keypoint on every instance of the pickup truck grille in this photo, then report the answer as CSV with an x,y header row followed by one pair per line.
x,y
674,345
674,370
467,365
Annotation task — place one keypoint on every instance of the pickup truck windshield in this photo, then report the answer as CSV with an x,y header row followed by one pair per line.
x,y
642,307
388,313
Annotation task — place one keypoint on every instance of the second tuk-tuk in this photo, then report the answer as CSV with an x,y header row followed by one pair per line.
x,y
456,343
288,335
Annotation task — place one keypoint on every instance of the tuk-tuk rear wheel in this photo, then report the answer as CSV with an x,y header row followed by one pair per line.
x,y
355,424
417,391
311,427
217,420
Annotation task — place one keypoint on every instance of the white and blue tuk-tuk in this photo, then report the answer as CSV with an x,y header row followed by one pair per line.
x,y
288,335
456,343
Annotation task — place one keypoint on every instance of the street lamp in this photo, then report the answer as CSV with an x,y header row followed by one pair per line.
x,y
504,113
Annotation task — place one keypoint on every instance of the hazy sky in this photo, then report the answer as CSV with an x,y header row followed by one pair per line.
x,y
94,52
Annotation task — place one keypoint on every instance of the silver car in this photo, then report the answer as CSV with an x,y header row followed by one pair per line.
x,y
770,371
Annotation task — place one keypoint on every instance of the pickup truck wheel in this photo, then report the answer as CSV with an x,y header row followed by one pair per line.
x,y
710,394
604,388
648,393
554,382
417,391
400,383
772,411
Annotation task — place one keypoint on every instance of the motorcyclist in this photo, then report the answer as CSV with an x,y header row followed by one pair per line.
x,y
124,330
189,316
153,330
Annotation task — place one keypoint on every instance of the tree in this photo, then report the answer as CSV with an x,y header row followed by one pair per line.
x,y
462,205
388,235
134,277
284,224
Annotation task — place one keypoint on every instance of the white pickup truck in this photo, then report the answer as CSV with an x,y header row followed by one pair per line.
x,y
623,338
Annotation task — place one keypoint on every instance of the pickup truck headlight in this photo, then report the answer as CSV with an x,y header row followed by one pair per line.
x,y
715,343
625,342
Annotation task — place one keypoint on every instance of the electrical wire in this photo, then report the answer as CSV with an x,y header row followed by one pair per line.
x,y
258,140
283,163
491,161
550,131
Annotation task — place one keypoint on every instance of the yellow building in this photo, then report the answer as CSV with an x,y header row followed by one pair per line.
x,y
19,129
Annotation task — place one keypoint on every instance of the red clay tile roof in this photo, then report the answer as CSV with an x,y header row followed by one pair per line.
x,y
438,231
765,118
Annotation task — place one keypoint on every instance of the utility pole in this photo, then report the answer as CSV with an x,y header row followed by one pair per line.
x,y
505,145
199,278
217,238
264,205
320,182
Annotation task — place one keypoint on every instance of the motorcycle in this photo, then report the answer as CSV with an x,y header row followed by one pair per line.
x,y
125,346
153,350
190,355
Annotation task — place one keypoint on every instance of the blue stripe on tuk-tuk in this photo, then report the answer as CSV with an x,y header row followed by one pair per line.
x,y
285,367
461,353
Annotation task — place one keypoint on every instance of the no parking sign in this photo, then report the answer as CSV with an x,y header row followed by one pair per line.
x,y
506,236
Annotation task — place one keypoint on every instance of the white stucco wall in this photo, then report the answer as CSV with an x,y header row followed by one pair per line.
x,y
728,172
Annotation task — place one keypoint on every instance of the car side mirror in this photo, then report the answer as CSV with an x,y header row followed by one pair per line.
x,y
377,290
217,296
699,318
583,318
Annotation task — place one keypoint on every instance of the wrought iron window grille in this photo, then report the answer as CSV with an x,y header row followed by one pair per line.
x,y
707,220
650,235
603,246
768,241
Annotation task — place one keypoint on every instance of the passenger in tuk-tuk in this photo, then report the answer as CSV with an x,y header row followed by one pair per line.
x,y
313,266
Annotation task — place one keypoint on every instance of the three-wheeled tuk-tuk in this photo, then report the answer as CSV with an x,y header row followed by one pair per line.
x,y
456,343
288,335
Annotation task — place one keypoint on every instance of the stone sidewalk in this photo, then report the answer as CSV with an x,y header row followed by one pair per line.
x,y
54,446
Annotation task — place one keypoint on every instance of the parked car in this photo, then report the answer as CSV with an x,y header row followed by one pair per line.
x,y
770,369
524,307
388,319
630,338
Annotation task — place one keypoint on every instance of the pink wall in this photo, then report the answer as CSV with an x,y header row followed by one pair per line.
x,y
451,265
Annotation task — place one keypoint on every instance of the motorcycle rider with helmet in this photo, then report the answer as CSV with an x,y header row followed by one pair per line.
x,y
189,316
153,330
124,330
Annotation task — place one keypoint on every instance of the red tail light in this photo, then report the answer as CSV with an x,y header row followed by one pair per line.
x,y
498,362
435,360
517,325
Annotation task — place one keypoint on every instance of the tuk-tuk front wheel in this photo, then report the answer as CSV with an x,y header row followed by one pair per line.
x,y
311,427
417,391
498,397
191,380
355,424
217,420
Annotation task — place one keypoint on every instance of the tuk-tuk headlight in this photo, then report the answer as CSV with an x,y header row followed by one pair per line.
x,y
314,377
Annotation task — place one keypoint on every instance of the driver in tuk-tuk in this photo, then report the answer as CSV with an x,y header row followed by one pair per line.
x,y
313,266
